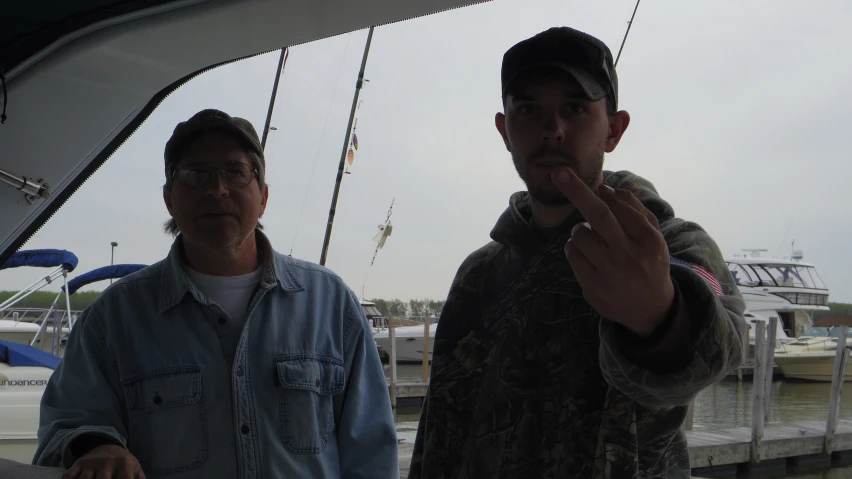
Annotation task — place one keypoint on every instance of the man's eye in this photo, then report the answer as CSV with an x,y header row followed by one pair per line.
x,y
526,109
576,108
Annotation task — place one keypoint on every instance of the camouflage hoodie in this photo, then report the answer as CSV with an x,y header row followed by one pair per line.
x,y
528,381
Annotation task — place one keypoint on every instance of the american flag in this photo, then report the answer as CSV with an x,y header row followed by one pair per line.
x,y
708,276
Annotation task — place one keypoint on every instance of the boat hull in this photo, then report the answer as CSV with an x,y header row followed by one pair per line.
x,y
409,343
21,389
809,368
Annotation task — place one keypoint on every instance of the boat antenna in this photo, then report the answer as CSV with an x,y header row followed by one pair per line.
x,y
624,40
340,168
282,60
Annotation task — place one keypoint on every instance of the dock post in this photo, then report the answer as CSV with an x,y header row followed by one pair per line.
x,y
836,389
690,415
770,367
426,349
392,361
743,330
757,389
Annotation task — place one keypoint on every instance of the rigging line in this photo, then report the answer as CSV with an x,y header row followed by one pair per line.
x,y
364,283
624,40
319,145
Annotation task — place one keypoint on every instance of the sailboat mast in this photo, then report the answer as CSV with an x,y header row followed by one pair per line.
x,y
341,166
282,60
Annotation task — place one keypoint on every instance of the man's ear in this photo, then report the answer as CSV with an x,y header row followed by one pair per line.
x,y
264,197
618,123
167,199
500,123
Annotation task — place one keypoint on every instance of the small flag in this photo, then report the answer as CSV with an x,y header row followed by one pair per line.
x,y
708,276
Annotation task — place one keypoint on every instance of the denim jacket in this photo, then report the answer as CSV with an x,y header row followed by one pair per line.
x,y
304,396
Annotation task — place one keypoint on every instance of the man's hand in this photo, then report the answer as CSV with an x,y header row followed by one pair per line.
x,y
107,461
620,258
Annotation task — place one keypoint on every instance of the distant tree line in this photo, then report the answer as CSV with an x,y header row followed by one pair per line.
x,y
82,299
836,308
413,308
416,308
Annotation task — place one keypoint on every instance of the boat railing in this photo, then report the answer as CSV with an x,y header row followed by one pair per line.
x,y
38,315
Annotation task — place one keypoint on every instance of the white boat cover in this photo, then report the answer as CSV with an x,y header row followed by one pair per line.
x,y
77,78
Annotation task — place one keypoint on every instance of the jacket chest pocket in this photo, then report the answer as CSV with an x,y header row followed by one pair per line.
x,y
168,426
307,389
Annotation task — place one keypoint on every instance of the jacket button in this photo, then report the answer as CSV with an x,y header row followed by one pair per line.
x,y
239,371
318,382
157,399
244,429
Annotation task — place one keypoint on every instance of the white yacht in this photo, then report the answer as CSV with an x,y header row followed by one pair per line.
x,y
786,288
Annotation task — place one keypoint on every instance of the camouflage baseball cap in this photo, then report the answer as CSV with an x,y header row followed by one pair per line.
x,y
211,120
587,59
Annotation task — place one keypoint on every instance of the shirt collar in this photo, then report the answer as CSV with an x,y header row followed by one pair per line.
x,y
277,270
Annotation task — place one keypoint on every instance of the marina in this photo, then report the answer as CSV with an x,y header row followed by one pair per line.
x,y
734,159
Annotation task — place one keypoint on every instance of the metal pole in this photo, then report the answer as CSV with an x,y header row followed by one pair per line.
x,y
770,367
840,358
112,256
32,288
425,375
68,303
282,60
342,164
26,185
392,361
757,390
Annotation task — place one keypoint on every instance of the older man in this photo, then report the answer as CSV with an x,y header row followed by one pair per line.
x,y
226,359
571,345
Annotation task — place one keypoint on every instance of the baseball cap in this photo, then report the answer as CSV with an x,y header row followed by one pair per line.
x,y
587,59
206,121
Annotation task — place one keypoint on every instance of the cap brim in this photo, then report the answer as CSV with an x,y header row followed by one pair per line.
x,y
590,87
202,125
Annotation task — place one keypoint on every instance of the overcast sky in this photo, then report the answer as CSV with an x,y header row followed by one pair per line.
x,y
739,117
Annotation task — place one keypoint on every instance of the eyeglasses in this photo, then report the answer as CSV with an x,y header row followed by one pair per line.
x,y
235,175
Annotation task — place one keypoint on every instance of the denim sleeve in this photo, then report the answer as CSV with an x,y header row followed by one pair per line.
x,y
366,433
82,400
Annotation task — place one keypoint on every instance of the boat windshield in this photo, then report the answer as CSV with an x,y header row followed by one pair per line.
x,y
371,311
830,331
781,275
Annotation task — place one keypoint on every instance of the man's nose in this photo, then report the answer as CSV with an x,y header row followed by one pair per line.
x,y
215,185
554,129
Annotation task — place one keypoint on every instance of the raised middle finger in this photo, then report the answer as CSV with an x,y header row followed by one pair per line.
x,y
594,210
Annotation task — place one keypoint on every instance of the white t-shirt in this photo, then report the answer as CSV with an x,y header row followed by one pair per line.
x,y
232,293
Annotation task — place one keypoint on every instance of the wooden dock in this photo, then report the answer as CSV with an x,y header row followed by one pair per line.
x,y
725,447
406,432
723,450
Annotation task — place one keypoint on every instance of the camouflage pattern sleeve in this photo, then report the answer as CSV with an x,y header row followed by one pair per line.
x,y
451,398
714,319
